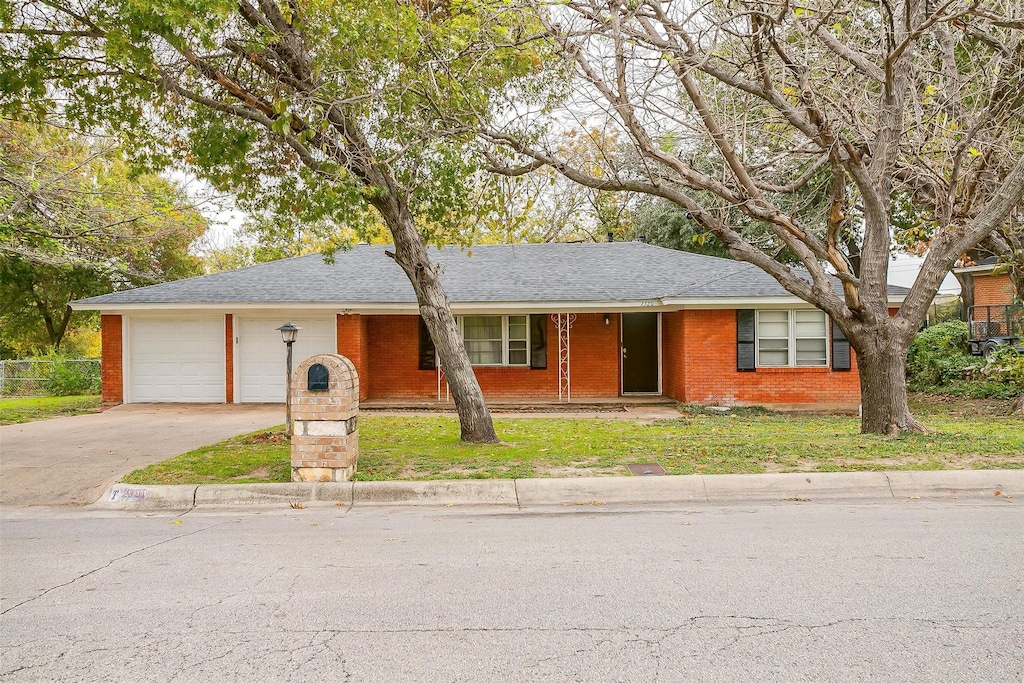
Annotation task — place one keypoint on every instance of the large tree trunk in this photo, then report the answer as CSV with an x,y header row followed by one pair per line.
x,y
882,362
411,255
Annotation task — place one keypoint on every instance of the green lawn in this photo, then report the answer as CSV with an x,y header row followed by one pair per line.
x,y
743,441
17,410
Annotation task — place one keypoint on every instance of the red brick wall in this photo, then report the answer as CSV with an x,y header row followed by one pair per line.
x,y
992,290
112,377
353,343
229,358
673,357
393,362
698,364
709,357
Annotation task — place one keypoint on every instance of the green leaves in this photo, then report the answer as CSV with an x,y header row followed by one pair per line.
x,y
76,219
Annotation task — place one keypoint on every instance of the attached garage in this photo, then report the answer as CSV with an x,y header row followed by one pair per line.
x,y
260,354
179,360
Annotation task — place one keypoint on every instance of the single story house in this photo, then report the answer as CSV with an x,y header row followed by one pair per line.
x,y
570,322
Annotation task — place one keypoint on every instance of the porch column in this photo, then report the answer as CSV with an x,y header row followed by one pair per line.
x,y
354,344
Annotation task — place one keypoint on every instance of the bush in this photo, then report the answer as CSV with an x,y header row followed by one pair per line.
x,y
939,356
73,378
1006,367
939,361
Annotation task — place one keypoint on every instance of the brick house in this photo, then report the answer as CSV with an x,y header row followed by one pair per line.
x,y
989,297
541,322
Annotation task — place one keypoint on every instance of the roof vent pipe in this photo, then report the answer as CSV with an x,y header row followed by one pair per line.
x,y
641,239
611,237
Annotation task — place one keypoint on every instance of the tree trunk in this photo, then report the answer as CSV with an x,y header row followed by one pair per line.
x,y
882,363
966,281
1017,407
411,254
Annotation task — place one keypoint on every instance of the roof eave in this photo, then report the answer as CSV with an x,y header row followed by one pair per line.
x,y
984,268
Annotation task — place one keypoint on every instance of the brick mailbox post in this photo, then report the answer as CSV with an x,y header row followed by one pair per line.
x,y
325,408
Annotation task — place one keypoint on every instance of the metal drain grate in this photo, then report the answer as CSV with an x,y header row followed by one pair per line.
x,y
648,469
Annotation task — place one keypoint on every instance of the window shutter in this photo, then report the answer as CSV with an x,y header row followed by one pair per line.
x,y
840,349
428,357
745,333
538,342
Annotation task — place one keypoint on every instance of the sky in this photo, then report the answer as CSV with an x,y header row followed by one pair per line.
x,y
903,271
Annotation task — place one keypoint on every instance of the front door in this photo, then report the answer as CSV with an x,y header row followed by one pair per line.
x,y
640,362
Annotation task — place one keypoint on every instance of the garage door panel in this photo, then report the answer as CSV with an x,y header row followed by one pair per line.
x,y
176,360
261,353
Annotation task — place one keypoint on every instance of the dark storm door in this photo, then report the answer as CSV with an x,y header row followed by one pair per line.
x,y
640,361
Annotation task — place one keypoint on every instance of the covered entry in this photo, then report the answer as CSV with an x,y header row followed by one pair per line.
x,y
641,357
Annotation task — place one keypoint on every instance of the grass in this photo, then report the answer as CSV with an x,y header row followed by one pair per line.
x,y
741,441
18,410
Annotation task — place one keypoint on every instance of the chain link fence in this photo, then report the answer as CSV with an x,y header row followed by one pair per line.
x,y
49,377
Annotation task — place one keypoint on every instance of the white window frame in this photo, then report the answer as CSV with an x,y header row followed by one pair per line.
x,y
504,339
791,316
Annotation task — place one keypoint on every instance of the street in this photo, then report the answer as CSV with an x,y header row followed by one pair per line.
x,y
909,590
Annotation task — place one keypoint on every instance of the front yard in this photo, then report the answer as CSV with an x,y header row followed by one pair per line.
x,y
18,410
968,435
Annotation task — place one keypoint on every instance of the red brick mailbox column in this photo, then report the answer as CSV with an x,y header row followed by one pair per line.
x,y
325,438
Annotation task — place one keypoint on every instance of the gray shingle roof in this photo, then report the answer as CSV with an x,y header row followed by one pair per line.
x,y
606,272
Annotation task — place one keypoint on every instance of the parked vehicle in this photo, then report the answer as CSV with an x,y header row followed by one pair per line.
x,y
995,326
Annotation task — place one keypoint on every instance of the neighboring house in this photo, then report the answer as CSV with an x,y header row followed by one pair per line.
x,y
989,297
540,322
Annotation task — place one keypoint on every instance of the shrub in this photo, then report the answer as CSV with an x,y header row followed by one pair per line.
x,y
939,356
1005,366
72,378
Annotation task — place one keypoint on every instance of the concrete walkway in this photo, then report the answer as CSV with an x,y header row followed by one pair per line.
x,y
73,460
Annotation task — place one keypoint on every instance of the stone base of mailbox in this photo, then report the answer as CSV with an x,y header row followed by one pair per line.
x,y
320,455
325,435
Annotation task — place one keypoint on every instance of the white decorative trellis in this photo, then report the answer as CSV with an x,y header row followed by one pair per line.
x,y
442,380
563,322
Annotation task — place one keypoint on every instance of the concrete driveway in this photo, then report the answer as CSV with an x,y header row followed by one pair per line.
x,y
72,460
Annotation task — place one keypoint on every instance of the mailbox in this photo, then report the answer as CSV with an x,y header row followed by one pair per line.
x,y
318,377
325,409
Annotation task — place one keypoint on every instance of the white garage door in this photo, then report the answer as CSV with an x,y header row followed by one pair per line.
x,y
176,360
261,354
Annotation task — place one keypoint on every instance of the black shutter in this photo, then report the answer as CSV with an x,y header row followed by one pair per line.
x,y
745,361
840,349
538,341
428,357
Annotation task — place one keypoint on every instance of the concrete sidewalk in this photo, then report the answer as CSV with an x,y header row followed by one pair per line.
x,y
1004,485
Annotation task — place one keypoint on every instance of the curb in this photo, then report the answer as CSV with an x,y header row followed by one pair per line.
x,y
518,493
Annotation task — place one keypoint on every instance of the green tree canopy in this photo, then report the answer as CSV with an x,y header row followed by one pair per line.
x,y
328,109
76,221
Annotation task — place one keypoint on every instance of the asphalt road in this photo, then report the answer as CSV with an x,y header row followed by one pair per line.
x,y
901,591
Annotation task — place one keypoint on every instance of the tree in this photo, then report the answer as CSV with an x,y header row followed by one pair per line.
x,y
323,107
74,222
878,103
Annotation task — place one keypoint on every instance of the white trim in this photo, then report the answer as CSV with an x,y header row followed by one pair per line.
x,y
236,385
984,268
473,307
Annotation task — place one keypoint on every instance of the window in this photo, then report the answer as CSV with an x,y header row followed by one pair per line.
x,y
496,339
792,339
